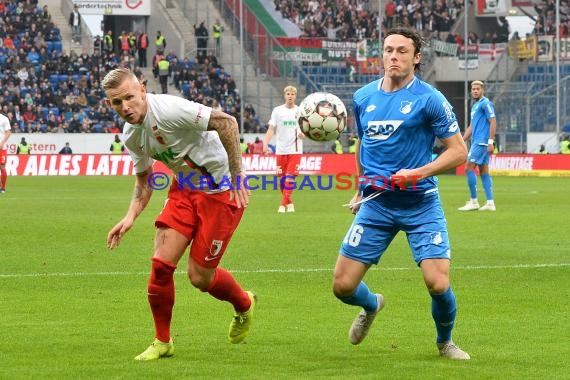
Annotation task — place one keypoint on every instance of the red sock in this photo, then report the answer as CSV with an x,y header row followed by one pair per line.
x,y
287,197
224,287
286,192
3,177
161,297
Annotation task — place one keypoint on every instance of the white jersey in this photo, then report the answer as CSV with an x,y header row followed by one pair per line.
x,y
286,130
174,132
4,127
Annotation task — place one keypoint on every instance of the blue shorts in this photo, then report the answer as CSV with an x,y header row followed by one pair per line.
x,y
378,221
478,154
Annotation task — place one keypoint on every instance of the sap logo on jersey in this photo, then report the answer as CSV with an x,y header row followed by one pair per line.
x,y
381,130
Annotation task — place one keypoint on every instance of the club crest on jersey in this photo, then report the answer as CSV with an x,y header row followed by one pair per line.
x,y
382,129
216,247
406,107
156,133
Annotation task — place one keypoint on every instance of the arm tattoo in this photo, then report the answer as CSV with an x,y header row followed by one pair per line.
x,y
227,128
141,193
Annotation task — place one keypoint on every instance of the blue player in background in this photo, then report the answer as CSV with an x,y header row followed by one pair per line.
x,y
398,118
482,133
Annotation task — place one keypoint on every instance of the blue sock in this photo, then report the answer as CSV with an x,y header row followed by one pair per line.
x,y
443,310
472,183
362,297
487,186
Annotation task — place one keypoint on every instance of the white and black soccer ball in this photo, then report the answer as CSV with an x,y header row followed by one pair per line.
x,y
322,116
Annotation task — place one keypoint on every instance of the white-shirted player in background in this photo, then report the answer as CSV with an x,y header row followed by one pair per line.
x,y
197,143
5,132
288,145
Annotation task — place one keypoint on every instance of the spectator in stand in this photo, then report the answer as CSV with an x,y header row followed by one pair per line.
x,y
108,42
123,43
201,33
29,114
142,46
66,149
472,38
117,146
23,147
163,67
160,43
75,24
390,11
257,146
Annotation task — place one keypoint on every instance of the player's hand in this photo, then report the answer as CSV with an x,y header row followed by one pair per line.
x,y
117,232
240,191
406,177
490,148
301,135
354,204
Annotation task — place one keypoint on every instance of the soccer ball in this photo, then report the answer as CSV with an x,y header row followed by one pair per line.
x,y
322,116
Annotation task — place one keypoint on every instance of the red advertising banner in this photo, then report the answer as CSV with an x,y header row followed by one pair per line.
x,y
111,165
259,164
539,165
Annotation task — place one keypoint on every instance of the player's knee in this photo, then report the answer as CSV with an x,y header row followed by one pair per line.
x,y
342,289
438,286
198,281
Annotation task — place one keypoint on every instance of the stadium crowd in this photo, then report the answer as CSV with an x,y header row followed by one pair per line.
x,y
354,20
44,88
545,21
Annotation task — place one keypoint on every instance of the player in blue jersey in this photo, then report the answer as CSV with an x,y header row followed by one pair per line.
x,y
398,118
482,134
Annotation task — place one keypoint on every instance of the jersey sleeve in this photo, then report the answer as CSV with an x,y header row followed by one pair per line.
x,y
4,124
197,114
141,160
356,113
441,116
273,119
174,112
489,109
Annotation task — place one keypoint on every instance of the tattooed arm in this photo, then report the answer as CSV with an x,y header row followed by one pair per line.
x,y
141,196
227,128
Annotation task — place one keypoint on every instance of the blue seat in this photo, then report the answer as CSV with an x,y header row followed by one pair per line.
x,y
54,110
97,128
184,88
44,111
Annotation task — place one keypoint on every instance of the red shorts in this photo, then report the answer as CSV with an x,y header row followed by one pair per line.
x,y
288,164
207,220
3,156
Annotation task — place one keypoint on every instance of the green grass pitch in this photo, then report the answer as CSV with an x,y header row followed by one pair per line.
x,y
72,309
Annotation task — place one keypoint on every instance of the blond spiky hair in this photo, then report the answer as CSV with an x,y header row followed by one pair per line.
x,y
290,88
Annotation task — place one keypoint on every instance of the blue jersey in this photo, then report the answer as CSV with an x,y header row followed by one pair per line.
x,y
481,112
397,129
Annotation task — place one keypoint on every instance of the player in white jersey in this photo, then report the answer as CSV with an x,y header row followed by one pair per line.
x,y
288,146
5,132
205,203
